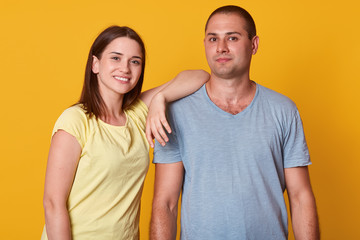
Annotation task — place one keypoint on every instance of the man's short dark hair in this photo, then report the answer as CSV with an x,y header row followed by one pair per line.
x,y
232,9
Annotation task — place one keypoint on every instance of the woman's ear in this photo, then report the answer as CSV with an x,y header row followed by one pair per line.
x,y
95,65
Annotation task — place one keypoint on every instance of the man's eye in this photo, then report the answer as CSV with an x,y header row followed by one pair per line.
x,y
212,39
233,38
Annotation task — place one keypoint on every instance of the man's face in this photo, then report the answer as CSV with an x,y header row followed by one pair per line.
x,y
227,46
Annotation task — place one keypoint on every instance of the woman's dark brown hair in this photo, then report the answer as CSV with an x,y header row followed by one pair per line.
x,y
90,96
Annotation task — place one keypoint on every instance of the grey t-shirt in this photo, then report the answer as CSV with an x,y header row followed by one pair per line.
x,y
234,165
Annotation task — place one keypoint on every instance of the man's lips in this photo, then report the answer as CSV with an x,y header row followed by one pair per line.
x,y
223,59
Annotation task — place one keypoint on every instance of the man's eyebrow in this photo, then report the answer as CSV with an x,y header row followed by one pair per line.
x,y
228,33
117,53
231,33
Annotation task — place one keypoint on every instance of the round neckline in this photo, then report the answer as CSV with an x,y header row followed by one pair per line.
x,y
116,126
227,113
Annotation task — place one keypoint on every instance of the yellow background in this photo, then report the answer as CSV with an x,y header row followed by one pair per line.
x,y
309,51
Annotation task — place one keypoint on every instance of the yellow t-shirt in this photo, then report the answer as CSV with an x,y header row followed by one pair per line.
x,y
104,201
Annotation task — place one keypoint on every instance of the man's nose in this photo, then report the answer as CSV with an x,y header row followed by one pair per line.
x,y
222,46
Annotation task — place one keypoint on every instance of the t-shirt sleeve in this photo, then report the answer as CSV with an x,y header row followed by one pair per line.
x,y
73,121
170,153
296,152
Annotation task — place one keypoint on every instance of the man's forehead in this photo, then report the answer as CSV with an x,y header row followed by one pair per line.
x,y
225,23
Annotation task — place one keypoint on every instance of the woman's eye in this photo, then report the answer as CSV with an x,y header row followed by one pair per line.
x,y
136,62
115,58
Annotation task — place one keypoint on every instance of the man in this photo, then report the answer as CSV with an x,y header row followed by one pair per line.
x,y
235,147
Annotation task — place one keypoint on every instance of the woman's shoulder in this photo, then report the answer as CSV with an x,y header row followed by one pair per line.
x,y
75,121
138,107
138,111
75,113
74,116
76,110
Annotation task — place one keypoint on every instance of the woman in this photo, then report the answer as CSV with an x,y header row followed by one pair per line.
x,y
98,156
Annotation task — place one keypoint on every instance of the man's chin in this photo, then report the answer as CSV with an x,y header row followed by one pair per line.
x,y
224,74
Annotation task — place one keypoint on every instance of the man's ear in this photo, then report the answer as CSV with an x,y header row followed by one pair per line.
x,y
95,65
255,44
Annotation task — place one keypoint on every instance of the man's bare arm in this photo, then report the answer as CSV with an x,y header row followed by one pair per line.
x,y
302,204
168,184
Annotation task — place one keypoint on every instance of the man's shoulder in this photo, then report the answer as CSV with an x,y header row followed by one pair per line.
x,y
275,98
190,99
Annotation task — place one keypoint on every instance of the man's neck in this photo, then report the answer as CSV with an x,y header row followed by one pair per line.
x,y
231,95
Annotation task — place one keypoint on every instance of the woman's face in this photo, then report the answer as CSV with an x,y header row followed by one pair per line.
x,y
119,68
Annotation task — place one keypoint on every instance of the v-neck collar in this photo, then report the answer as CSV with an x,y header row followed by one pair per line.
x,y
227,113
